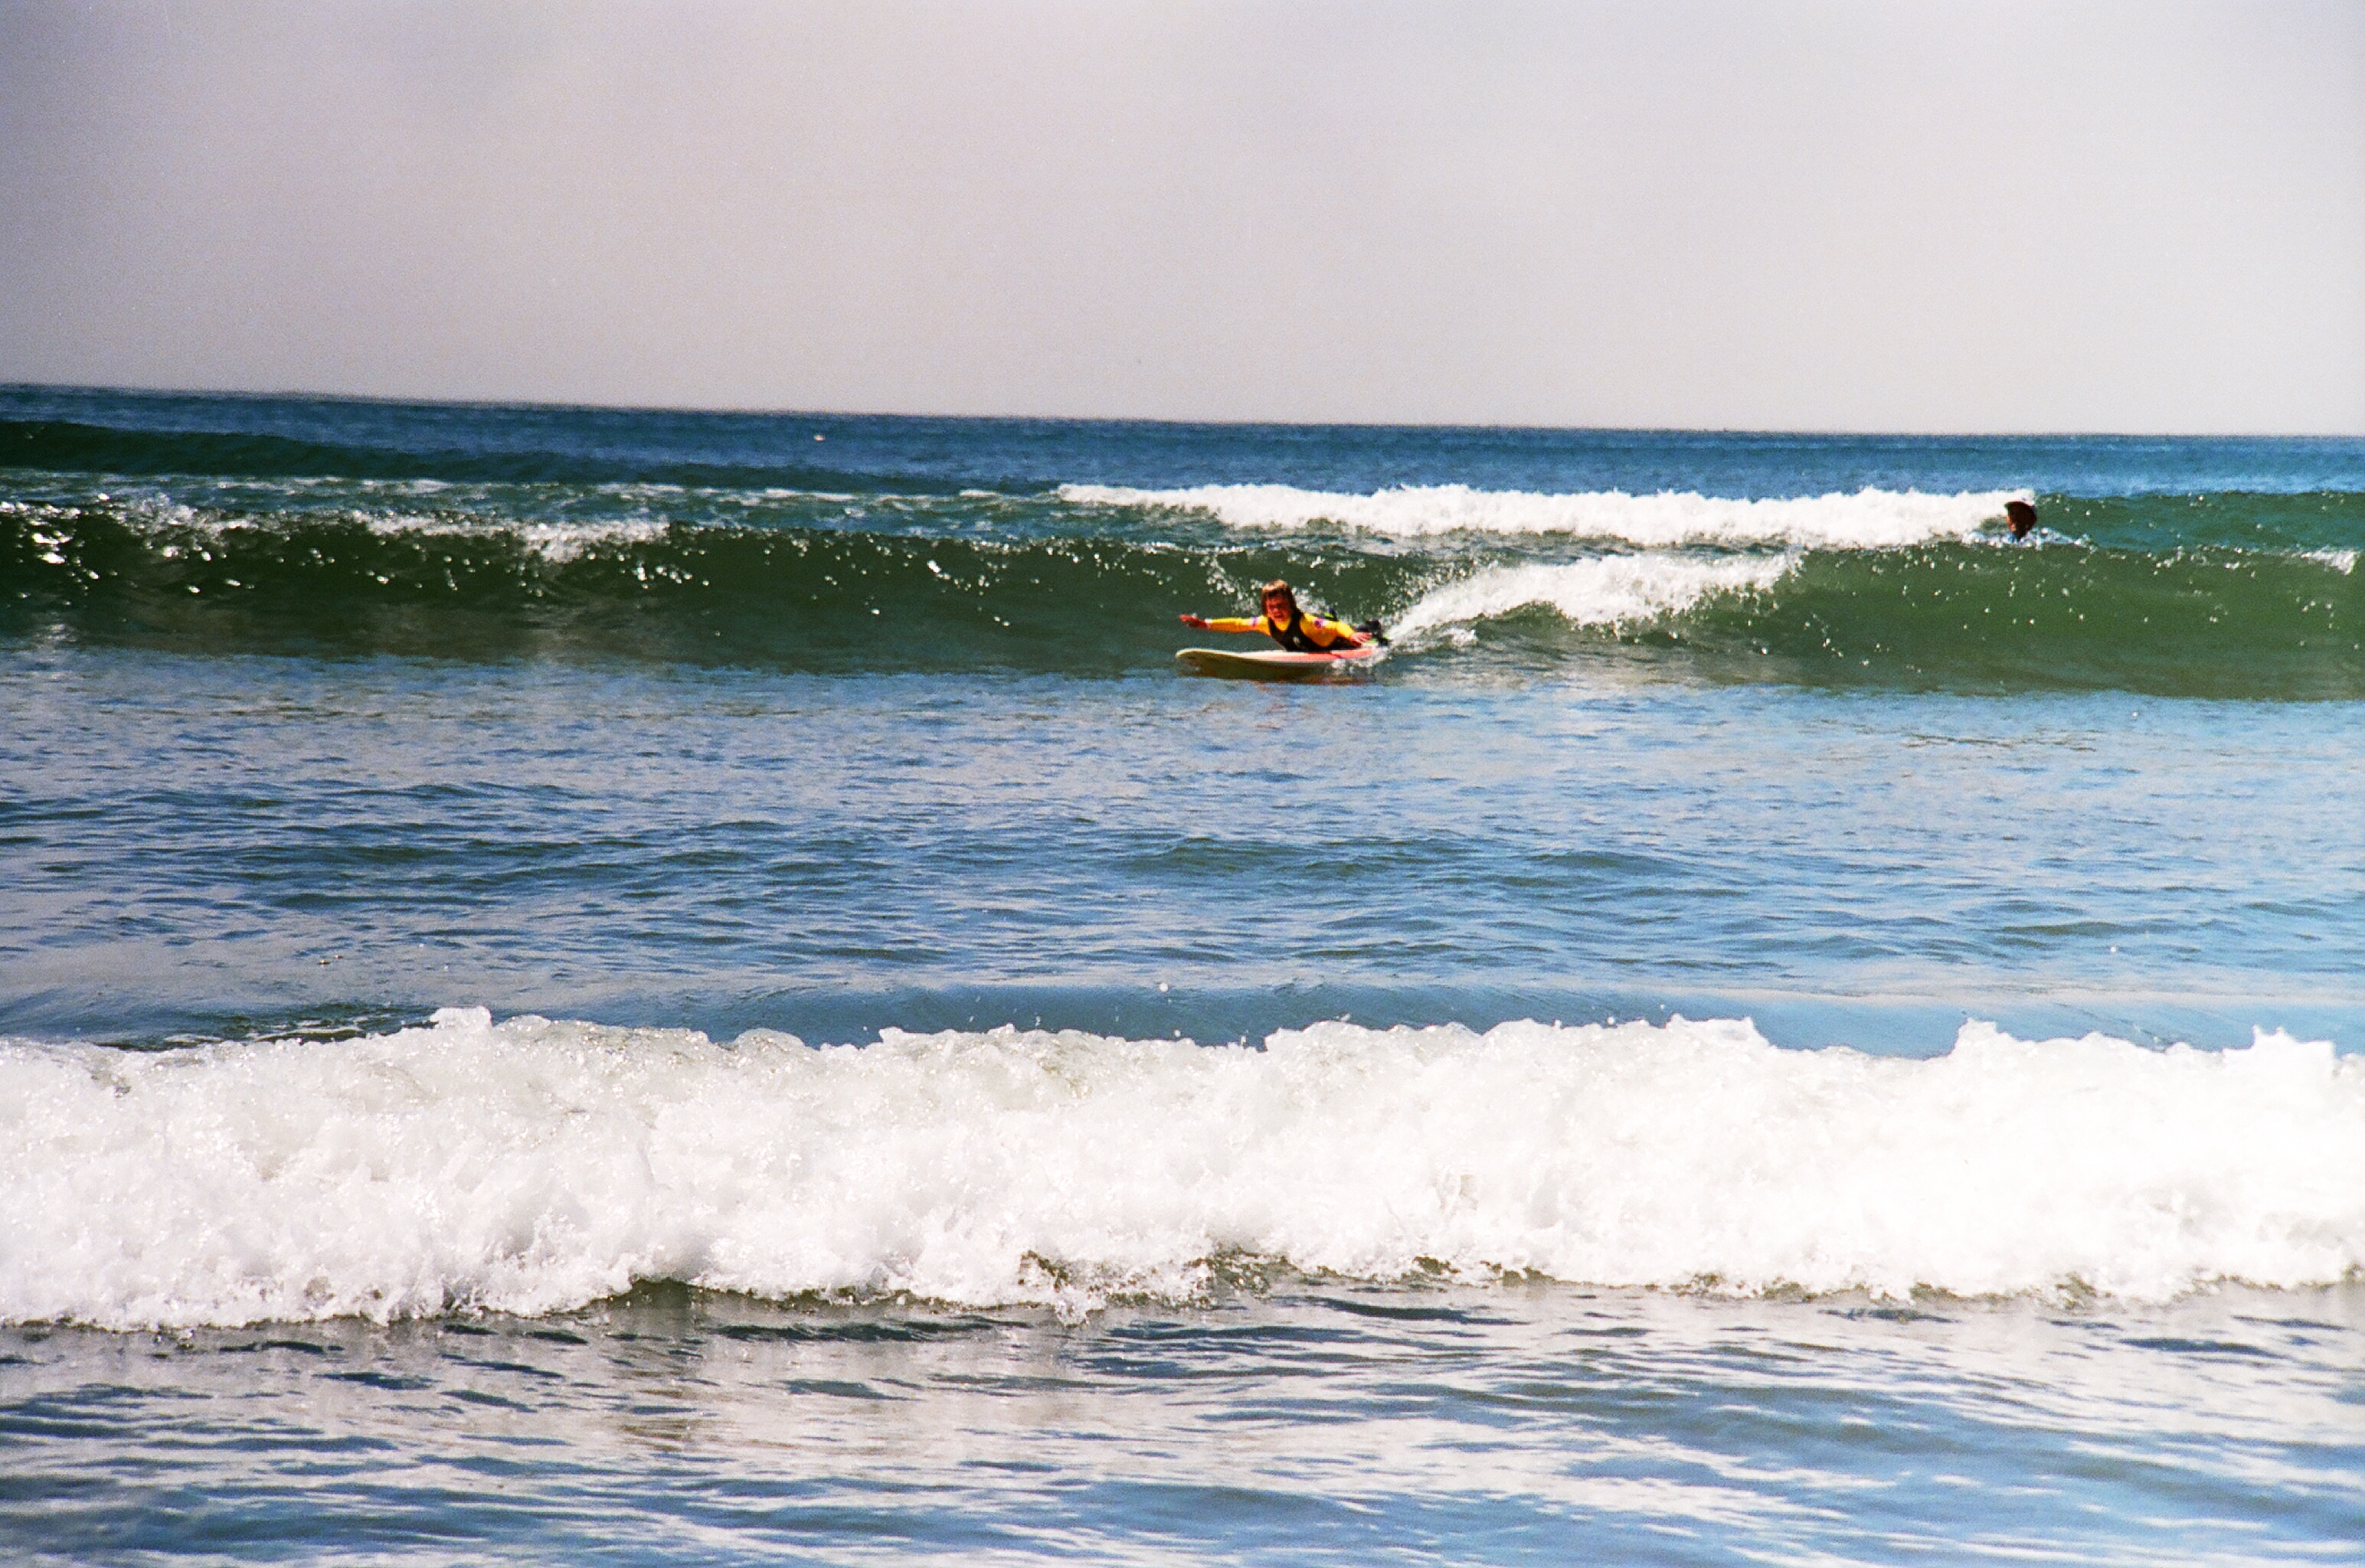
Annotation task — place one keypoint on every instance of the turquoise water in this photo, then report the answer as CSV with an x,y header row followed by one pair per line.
x,y
596,985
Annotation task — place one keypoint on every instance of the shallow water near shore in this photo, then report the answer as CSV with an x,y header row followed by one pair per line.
x,y
626,985
1310,1420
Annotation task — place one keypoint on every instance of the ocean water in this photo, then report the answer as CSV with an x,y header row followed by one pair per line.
x,y
646,987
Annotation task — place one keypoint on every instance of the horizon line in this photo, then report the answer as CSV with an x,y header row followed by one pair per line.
x,y
766,411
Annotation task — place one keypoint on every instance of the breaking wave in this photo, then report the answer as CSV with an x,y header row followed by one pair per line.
x,y
533,1166
1869,518
1873,587
1605,591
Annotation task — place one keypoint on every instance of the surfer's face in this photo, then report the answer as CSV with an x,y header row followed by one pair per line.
x,y
1279,605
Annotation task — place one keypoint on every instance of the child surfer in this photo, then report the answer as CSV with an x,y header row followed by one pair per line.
x,y
1292,627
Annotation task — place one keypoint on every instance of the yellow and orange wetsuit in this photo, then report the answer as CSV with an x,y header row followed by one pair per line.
x,y
1304,634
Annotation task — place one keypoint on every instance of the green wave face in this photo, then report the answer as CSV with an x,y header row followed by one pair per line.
x,y
1974,615
798,598
2330,521
2212,622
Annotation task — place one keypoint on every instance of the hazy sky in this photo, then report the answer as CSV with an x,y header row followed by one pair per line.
x,y
1887,216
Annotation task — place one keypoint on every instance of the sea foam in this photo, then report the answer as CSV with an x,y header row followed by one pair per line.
x,y
534,1166
1867,518
1608,590
155,514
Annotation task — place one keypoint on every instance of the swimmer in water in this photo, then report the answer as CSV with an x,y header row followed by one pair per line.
x,y
1292,627
2021,516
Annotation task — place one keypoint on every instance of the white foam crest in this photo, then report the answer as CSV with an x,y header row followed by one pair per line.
x,y
562,542
2341,560
160,512
557,543
1612,590
1867,518
533,1166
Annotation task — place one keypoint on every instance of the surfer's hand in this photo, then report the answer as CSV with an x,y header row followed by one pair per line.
x,y
1196,622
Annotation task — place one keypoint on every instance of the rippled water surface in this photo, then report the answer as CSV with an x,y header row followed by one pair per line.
x,y
206,846
1311,1422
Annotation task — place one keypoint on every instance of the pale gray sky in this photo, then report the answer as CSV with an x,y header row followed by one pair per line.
x,y
1875,215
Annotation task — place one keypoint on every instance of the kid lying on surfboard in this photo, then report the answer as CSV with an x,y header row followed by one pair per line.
x,y
1292,627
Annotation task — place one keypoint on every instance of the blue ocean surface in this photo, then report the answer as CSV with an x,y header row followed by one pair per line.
x,y
613,986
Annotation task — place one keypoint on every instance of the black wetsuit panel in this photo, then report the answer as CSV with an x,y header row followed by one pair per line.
x,y
1294,636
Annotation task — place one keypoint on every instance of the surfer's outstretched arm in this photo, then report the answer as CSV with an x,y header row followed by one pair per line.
x,y
1320,630
1333,633
1285,623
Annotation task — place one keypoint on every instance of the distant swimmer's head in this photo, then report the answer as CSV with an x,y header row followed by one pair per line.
x,y
2021,516
1278,600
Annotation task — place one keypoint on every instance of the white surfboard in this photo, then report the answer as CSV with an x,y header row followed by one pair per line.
x,y
1275,664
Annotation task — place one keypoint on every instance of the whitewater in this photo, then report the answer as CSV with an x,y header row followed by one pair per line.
x,y
535,1167
1869,518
